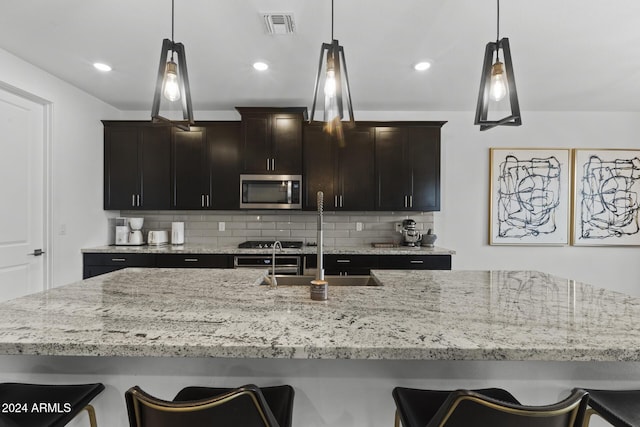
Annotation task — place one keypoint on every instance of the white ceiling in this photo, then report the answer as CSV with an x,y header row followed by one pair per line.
x,y
581,55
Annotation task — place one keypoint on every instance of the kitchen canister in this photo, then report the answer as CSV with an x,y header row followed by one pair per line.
x,y
177,233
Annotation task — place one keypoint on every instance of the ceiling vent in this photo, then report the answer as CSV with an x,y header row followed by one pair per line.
x,y
279,23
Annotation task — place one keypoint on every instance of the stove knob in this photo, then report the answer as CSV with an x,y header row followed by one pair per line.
x,y
259,245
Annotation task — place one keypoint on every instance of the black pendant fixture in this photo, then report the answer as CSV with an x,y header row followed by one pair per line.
x,y
497,82
173,82
334,80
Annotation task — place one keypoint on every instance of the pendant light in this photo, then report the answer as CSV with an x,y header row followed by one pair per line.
x,y
173,81
497,82
334,80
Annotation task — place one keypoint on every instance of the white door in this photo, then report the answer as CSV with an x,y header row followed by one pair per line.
x,y
21,196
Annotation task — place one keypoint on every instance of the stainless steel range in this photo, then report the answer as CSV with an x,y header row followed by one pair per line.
x,y
268,244
284,264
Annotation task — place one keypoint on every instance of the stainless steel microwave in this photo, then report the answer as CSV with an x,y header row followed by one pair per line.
x,y
270,191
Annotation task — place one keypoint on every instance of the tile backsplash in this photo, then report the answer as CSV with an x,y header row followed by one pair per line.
x,y
228,228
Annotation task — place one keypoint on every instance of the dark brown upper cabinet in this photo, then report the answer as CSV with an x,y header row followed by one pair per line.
x,y
137,162
342,170
205,172
272,139
408,166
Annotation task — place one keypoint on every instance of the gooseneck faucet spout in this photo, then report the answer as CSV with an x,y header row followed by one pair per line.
x,y
276,245
320,263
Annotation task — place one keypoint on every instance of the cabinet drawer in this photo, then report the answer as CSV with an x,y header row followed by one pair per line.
x,y
350,264
193,261
123,260
415,262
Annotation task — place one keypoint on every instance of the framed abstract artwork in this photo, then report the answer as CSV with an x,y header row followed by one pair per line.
x,y
605,197
529,196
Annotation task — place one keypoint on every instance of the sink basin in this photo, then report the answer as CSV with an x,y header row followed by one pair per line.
x,y
333,280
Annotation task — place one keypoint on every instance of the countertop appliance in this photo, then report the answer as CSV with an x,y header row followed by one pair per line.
x,y
268,244
410,236
270,191
158,237
129,231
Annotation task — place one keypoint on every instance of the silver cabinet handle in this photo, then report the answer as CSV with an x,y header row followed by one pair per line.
x,y
133,200
341,205
417,261
267,163
202,200
138,198
207,204
191,259
405,201
344,261
118,259
273,164
410,201
335,201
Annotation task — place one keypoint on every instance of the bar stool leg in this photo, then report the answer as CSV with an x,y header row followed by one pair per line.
x,y
92,415
397,422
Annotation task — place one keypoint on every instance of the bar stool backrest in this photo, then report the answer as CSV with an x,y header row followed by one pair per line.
x,y
243,406
464,408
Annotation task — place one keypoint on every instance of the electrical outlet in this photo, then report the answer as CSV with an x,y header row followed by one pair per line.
x,y
358,226
221,226
399,227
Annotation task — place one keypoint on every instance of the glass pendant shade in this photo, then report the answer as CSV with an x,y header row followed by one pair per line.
x,y
332,77
497,82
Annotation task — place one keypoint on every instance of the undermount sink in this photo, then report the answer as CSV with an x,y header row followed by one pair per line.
x,y
332,280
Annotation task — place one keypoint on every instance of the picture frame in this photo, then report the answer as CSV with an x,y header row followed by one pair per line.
x,y
606,189
530,194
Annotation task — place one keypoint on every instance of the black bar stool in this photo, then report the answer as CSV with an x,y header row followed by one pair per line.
x,y
493,407
46,405
620,408
204,407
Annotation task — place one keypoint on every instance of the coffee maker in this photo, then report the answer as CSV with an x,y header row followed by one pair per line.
x,y
129,231
410,236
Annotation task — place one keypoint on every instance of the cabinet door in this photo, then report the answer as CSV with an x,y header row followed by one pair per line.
x,y
349,264
190,170
224,158
121,159
256,135
415,262
193,261
319,163
355,174
155,168
424,152
391,169
286,144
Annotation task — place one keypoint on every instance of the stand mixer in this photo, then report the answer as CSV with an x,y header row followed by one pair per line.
x,y
410,236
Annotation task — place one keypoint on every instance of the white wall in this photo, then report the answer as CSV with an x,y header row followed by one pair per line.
x,y
76,158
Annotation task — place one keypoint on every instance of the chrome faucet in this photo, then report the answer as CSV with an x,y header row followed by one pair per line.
x,y
319,252
276,245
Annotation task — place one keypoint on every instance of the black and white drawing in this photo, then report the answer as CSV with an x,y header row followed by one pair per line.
x,y
529,196
606,197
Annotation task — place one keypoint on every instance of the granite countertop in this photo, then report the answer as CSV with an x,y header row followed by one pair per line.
x,y
427,315
208,249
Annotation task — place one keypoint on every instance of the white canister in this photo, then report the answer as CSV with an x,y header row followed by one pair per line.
x,y
177,233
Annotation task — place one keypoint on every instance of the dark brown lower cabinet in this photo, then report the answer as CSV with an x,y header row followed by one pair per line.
x,y
95,264
363,264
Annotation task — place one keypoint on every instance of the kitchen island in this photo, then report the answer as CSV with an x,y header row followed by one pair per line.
x,y
167,328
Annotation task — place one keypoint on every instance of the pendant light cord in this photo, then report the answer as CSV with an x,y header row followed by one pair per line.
x,y
172,21
331,20
497,29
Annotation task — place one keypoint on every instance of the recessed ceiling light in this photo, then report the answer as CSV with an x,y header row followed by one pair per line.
x,y
260,66
102,67
422,66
